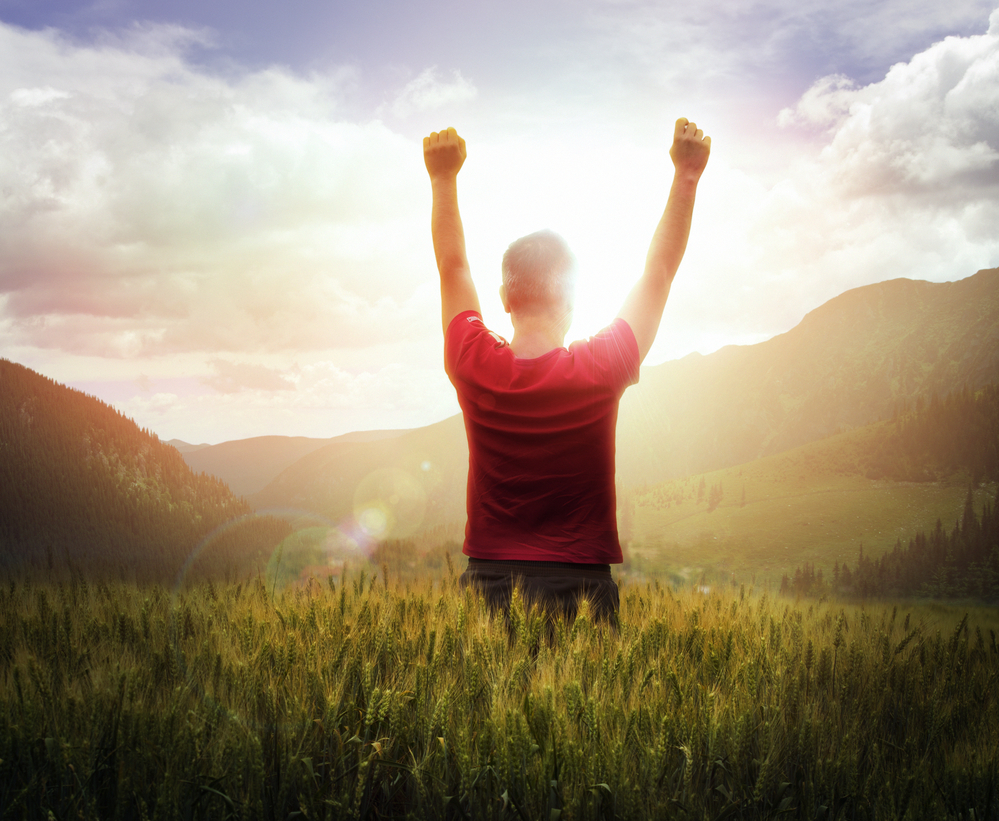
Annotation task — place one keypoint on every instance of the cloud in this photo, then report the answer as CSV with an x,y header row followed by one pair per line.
x,y
726,49
907,180
149,207
318,399
224,223
825,104
428,92
930,126
894,178
230,377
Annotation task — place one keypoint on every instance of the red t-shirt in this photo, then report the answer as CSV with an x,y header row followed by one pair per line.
x,y
540,442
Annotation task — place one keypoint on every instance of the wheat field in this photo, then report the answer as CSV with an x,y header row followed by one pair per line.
x,y
366,697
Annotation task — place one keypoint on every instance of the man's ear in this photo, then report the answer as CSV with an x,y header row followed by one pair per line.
x,y
502,293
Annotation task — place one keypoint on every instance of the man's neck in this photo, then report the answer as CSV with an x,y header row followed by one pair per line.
x,y
534,336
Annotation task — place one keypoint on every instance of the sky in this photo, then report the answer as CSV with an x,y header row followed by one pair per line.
x,y
215,216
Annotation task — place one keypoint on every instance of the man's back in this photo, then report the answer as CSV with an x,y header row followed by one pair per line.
x,y
541,442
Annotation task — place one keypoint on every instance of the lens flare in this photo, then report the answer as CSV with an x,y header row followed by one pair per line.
x,y
389,504
374,520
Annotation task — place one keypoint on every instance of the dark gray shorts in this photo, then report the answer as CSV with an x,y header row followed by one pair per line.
x,y
555,587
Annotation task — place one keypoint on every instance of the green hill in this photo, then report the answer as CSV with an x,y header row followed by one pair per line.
x,y
388,488
83,487
848,363
816,504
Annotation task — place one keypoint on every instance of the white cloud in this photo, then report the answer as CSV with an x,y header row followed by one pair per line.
x,y
825,104
37,96
903,182
692,45
931,124
230,377
147,207
217,226
319,399
428,92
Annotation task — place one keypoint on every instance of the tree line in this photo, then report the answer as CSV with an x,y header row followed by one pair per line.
x,y
961,563
955,435
84,488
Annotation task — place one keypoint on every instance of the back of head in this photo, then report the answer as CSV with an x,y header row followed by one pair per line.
x,y
539,274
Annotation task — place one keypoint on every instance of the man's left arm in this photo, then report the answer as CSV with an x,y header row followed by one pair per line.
x,y
444,154
643,309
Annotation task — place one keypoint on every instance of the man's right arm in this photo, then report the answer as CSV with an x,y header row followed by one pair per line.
x,y
444,154
643,309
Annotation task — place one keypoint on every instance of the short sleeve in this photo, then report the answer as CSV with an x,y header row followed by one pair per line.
x,y
456,338
615,353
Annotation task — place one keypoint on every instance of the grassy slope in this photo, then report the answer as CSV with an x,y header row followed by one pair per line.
x,y
810,504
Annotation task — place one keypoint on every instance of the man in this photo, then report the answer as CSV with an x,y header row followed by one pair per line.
x,y
540,418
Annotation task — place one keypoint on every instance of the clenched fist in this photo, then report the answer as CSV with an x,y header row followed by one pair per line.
x,y
443,153
690,149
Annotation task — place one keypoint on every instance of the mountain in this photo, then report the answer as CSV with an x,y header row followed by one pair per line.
x,y
822,502
186,447
248,465
850,362
415,481
83,487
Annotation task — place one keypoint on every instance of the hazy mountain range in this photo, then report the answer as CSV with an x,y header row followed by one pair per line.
x,y
847,363
80,483
850,362
249,465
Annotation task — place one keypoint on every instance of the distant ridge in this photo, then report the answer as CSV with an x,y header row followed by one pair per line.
x,y
327,480
186,447
247,465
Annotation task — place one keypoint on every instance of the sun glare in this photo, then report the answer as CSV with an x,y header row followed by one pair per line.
x,y
607,216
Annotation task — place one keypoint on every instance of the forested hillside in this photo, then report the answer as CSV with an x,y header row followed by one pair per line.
x,y
961,563
83,487
955,435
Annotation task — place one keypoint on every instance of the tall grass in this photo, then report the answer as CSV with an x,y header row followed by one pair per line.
x,y
372,699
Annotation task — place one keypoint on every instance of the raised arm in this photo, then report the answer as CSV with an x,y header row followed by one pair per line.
x,y
643,309
444,154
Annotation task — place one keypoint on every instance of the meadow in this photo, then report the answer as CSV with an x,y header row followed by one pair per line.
x,y
817,504
368,697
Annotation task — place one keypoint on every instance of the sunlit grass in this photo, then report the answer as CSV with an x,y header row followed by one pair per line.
x,y
810,504
373,699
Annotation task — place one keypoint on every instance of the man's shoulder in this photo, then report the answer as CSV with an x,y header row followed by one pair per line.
x,y
617,335
469,344
613,349
469,325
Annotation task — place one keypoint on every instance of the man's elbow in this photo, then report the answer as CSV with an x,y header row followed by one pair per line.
x,y
452,266
657,283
